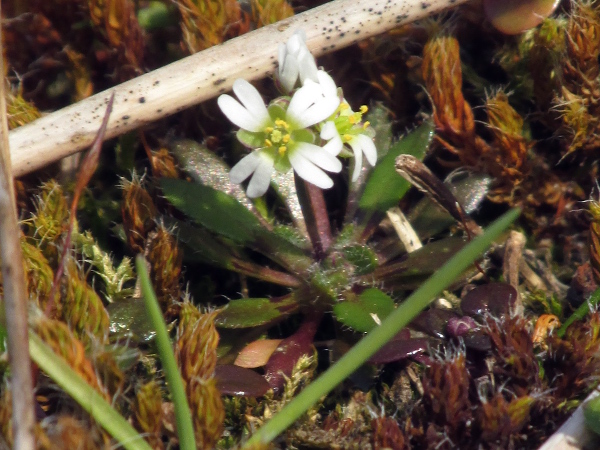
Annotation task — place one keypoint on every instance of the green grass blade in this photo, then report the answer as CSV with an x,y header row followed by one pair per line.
x,y
183,418
373,341
87,397
581,312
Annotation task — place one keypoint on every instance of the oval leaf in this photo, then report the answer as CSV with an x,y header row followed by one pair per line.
x,y
253,312
234,380
214,210
365,314
398,349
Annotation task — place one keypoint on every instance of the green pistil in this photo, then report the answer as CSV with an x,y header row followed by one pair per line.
x,y
278,136
347,120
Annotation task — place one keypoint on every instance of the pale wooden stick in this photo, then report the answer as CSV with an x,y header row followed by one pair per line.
x,y
14,293
406,233
573,434
206,74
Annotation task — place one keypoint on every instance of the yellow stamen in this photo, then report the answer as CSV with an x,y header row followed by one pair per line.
x,y
347,137
268,143
286,139
269,130
344,106
364,109
282,150
366,125
352,119
282,123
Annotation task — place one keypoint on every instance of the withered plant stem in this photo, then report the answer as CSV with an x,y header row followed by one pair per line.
x,y
14,293
84,174
206,74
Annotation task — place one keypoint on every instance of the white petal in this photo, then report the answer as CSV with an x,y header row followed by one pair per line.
x,y
329,131
302,99
281,54
244,168
239,115
308,171
318,156
259,183
357,159
288,73
334,146
296,42
251,99
368,148
317,112
327,84
307,65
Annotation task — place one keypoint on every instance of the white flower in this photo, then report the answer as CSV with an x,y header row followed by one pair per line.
x,y
347,128
295,60
280,135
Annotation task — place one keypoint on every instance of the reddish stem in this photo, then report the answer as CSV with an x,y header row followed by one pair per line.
x,y
316,217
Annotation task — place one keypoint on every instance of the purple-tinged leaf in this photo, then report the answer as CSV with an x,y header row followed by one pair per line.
x,y
434,321
477,339
399,349
289,351
494,298
234,380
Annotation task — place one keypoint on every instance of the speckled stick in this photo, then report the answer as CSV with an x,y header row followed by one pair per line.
x,y
207,74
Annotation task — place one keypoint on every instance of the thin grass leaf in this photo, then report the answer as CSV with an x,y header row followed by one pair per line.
x,y
183,418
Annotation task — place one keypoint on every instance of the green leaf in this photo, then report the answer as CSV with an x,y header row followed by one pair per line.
x,y
253,312
583,310
380,121
225,216
128,318
206,168
214,210
385,187
418,265
361,257
363,315
203,246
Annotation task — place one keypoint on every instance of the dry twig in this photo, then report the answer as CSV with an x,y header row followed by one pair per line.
x,y
14,293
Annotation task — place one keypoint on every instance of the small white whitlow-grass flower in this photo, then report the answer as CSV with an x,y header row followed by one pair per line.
x,y
280,134
296,62
347,127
